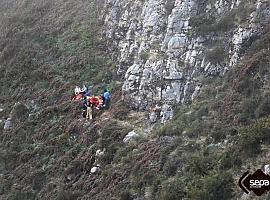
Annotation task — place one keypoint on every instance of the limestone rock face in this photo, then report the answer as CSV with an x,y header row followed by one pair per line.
x,y
160,53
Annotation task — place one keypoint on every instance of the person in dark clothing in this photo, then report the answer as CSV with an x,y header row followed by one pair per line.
x,y
84,106
88,92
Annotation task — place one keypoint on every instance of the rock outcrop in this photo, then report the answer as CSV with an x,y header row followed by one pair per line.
x,y
130,137
165,48
8,124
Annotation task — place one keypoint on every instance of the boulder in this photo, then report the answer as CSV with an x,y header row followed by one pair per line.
x,y
196,92
8,124
99,152
168,93
95,169
131,136
177,42
212,146
174,74
153,117
166,113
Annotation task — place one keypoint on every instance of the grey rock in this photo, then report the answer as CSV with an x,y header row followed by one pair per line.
x,y
131,136
8,124
153,117
95,169
196,92
100,152
177,42
166,113
267,169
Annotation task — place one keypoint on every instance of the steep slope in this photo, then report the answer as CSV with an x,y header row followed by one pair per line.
x,y
160,51
46,49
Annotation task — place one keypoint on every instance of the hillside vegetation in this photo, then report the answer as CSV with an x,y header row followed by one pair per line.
x,y
48,47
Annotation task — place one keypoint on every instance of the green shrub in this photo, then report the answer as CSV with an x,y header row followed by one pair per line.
x,y
121,112
103,76
216,54
19,112
202,23
68,195
115,86
110,153
21,195
263,109
251,137
219,132
85,36
125,196
114,132
196,128
202,111
170,129
225,24
248,86
171,166
112,135
172,189
166,151
242,13
200,164
248,107
206,24
217,185
230,159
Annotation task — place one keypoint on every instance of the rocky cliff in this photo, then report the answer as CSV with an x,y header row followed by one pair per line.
x,y
165,48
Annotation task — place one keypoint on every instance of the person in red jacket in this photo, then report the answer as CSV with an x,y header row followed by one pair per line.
x,y
93,100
